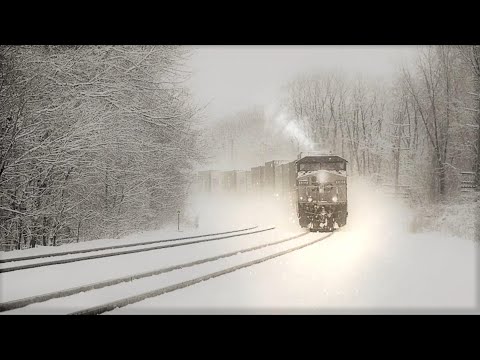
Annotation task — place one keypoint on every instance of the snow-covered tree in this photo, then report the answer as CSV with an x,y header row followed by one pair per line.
x,y
96,140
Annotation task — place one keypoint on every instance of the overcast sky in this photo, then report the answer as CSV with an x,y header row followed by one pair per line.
x,y
233,78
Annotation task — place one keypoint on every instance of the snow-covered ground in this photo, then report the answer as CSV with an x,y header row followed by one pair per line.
x,y
169,232
133,247
336,275
375,263
457,216
100,296
29,282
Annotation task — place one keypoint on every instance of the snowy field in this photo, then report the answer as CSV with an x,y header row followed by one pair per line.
x,y
374,264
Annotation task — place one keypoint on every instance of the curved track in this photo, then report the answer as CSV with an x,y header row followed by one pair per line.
x,y
90,257
130,300
140,297
2,261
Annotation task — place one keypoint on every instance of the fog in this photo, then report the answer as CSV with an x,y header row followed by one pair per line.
x,y
231,78
101,148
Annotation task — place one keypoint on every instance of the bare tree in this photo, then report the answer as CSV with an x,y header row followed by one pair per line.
x,y
432,93
471,57
98,140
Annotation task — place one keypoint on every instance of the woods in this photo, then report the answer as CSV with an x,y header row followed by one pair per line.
x,y
99,141
96,141
418,130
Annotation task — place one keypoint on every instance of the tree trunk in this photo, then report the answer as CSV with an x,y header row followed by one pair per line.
x,y
477,175
44,232
433,178
106,189
441,178
19,246
78,231
397,169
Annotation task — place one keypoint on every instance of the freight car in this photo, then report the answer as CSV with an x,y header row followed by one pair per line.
x,y
258,179
272,183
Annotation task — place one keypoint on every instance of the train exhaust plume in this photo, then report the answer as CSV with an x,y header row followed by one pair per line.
x,y
283,123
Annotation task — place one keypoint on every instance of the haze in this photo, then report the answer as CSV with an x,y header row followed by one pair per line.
x,y
232,78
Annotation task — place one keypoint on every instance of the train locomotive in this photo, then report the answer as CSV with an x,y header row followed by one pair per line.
x,y
321,191
315,184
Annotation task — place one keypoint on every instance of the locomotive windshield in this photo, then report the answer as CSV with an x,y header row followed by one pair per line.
x,y
313,166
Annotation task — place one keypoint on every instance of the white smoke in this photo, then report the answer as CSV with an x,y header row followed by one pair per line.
x,y
281,121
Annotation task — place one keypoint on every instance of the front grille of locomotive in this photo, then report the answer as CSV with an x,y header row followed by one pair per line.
x,y
318,193
311,209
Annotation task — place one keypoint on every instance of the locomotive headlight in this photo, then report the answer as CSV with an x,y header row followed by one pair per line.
x,y
334,199
301,197
310,199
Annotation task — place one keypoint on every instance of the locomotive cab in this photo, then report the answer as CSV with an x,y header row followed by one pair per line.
x,y
321,188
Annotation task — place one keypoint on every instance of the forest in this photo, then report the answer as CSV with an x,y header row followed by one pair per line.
x,y
419,131
101,141
95,141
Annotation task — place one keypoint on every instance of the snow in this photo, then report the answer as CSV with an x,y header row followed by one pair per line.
x,y
145,247
456,216
101,296
169,232
316,280
375,263
29,282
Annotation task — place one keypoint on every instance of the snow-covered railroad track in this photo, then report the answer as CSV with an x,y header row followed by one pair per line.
x,y
2,261
109,254
96,310
108,283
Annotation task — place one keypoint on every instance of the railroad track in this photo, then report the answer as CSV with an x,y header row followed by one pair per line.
x,y
112,247
119,253
140,297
